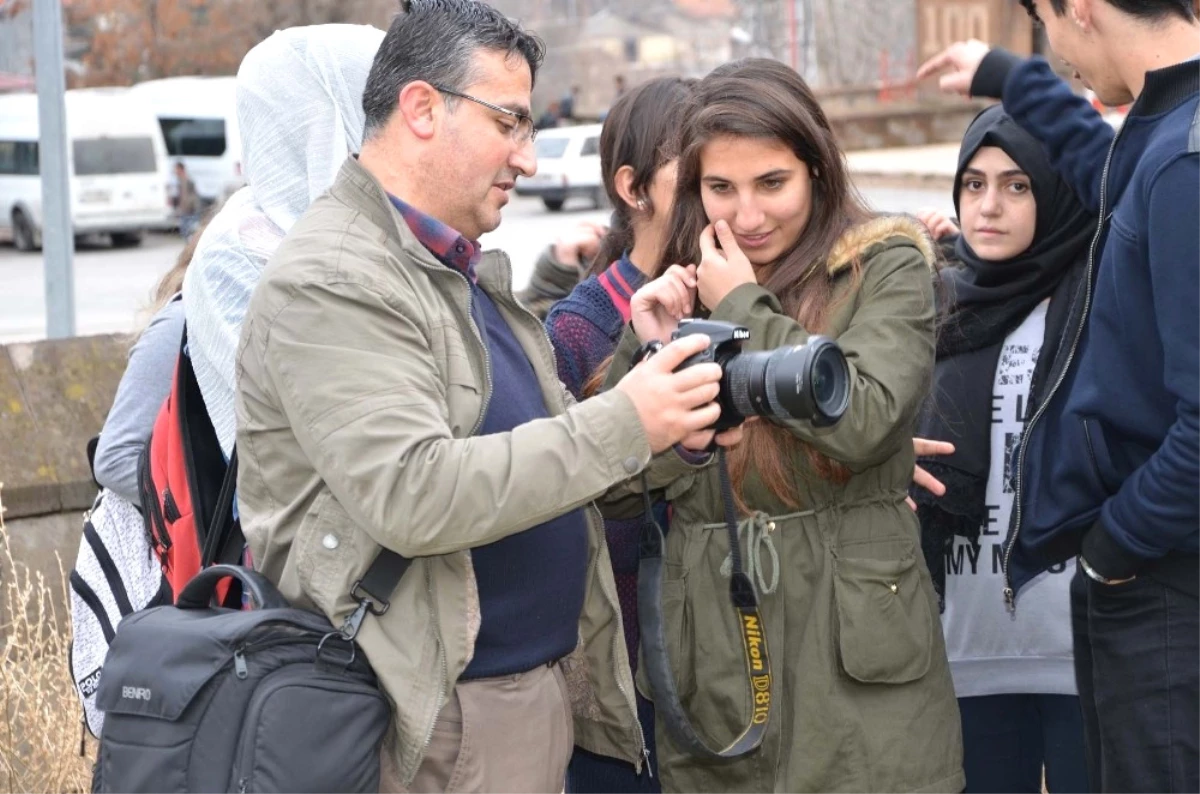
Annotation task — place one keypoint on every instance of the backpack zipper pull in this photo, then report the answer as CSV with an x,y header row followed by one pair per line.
x,y
170,509
239,663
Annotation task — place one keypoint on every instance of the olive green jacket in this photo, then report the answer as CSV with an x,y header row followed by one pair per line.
x,y
361,376
863,699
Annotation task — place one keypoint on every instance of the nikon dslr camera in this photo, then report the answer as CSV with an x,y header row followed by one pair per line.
x,y
809,381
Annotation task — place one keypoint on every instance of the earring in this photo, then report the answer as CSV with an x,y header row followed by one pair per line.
x,y
641,204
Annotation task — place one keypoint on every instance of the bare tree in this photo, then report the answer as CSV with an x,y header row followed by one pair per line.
x,y
132,40
11,8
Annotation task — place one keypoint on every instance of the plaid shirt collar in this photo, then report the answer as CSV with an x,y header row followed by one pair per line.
x,y
450,247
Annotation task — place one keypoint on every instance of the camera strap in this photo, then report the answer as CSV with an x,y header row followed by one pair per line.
x,y
654,644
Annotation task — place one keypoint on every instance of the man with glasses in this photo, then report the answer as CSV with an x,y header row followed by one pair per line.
x,y
394,395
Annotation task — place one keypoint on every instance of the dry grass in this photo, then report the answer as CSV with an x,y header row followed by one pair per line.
x,y
40,728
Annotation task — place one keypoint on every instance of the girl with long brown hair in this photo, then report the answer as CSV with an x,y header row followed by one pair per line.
x,y
637,161
783,245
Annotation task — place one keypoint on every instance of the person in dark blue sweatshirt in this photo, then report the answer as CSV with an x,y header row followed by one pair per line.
x,y
1108,467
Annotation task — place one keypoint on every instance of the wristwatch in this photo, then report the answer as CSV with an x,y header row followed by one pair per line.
x,y
1096,577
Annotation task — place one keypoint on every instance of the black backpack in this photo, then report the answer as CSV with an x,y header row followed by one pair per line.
x,y
203,698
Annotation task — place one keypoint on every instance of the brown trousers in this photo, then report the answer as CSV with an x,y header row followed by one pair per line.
x,y
509,734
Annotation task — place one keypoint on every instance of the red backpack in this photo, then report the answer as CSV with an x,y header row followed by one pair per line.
x,y
187,488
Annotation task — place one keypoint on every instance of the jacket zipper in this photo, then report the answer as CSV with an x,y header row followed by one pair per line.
x,y
1009,593
487,359
441,693
644,753
506,271
487,397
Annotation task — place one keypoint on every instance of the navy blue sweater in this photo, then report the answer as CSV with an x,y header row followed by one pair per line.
x,y
1111,464
531,584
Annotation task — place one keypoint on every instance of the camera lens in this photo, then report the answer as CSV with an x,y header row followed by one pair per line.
x,y
744,383
830,382
808,381
822,382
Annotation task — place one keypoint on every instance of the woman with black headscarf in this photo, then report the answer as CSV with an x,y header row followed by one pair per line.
x,y
1014,271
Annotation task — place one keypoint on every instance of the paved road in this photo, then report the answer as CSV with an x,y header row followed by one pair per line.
x,y
113,287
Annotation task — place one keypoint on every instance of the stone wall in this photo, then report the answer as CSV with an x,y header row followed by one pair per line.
x,y
54,395
902,124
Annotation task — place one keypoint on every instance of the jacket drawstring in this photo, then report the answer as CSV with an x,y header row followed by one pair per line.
x,y
758,529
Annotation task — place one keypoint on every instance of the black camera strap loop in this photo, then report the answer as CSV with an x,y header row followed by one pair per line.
x,y
654,645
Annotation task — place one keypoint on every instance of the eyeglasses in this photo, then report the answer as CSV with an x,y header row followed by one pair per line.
x,y
522,132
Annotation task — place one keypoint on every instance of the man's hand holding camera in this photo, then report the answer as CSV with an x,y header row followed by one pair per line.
x,y
805,382
677,407
655,312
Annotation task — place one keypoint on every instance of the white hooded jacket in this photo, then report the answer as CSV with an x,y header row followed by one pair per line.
x,y
299,104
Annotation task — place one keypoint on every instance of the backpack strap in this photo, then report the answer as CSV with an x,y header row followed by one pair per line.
x,y
92,444
202,449
200,591
224,540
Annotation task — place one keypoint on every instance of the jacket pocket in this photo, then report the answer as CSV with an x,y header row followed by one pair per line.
x,y
145,766
676,626
1099,460
339,751
884,621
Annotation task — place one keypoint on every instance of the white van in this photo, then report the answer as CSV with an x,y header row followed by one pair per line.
x,y
198,116
117,166
568,164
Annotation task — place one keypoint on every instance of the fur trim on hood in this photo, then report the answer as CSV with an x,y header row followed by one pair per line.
x,y
859,239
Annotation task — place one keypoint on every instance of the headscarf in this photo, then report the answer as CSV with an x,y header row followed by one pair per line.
x,y
982,303
984,297
299,106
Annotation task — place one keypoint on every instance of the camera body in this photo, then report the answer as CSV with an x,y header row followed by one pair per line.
x,y
806,382
725,342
